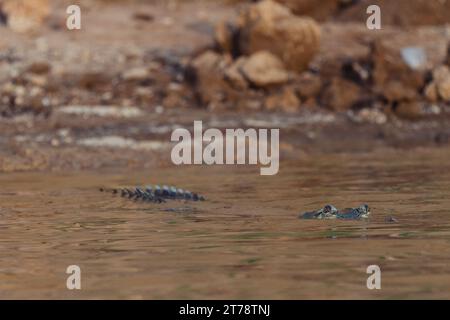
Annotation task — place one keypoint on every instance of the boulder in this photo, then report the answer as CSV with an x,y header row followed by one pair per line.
x,y
431,92
441,78
206,61
270,26
234,75
263,69
439,87
206,73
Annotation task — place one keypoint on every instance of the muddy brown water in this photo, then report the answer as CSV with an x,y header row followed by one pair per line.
x,y
245,242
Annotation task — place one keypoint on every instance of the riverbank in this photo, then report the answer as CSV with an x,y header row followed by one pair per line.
x,y
110,95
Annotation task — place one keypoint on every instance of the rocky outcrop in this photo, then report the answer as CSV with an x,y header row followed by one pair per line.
x,y
266,48
267,57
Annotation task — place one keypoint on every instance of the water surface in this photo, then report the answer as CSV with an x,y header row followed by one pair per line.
x,y
245,242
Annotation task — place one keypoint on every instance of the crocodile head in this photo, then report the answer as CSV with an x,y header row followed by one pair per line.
x,y
329,212
364,211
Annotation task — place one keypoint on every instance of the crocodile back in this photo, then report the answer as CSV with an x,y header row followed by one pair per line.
x,y
155,193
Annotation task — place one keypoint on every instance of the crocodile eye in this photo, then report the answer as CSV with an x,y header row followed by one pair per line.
x,y
329,209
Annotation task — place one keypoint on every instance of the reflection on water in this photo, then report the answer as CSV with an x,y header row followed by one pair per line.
x,y
244,242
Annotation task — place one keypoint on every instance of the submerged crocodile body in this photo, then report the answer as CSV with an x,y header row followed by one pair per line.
x,y
155,193
330,212
327,212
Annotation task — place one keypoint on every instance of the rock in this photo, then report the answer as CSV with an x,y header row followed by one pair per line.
x,y
37,80
234,74
439,88
270,26
308,85
444,90
433,109
206,73
371,115
340,94
392,76
94,80
206,61
441,77
431,92
40,67
224,36
249,104
409,110
25,15
263,69
441,73
143,16
286,100
397,91
136,74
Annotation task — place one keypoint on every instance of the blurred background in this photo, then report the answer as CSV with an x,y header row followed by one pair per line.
x,y
137,68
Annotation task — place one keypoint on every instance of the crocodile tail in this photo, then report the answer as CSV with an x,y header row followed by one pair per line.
x,y
136,194
140,194
155,193
187,195
173,192
109,190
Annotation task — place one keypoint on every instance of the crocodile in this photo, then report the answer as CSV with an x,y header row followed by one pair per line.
x,y
327,212
360,212
331,212
155,193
